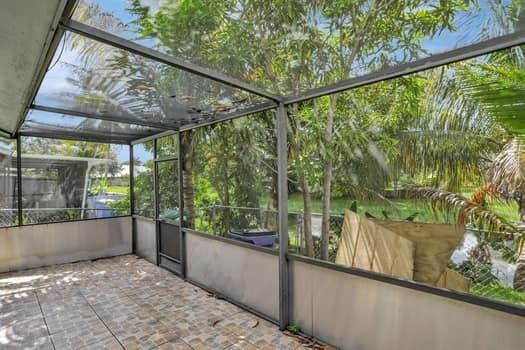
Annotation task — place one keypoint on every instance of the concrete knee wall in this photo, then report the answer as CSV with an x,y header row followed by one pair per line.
x,y
353,312
57,243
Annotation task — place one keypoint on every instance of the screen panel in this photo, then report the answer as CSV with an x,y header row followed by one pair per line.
x,y
8,183
92,78
418,177
293,46
64,180
168,146
48,122
143,182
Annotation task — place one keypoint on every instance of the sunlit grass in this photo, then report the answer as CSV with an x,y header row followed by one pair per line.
x,y
499,292
123,190
398,209
117,189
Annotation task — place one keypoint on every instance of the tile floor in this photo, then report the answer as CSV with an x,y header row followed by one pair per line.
x,y
123,302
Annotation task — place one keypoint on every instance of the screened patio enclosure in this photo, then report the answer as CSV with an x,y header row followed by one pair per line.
x,y
349,170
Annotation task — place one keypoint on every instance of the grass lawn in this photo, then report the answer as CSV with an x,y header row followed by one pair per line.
x,y
499,292
113,189
118,190
398,209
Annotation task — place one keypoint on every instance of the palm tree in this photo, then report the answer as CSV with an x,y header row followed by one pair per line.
x,y
499,88
492,91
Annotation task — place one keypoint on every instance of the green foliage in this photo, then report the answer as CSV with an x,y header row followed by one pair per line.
x,y
168,178
143,192
508,251
449,138
121,206
496,85
478,273
436,128
117,189
102,186
294,329
234,167
399,209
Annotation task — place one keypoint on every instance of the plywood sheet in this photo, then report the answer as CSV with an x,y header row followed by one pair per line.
x,y
451,279
435,244
369,246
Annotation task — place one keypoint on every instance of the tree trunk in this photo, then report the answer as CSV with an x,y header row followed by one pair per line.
x,y
327,178
270,220
295,146
519,275
307,217
187,178
226,203
521,205
106,166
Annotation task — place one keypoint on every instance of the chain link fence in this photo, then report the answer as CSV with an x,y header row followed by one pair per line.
x,y
487,266
9,217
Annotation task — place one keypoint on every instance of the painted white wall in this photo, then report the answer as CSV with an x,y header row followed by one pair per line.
x,y
57,243
245,275
357,313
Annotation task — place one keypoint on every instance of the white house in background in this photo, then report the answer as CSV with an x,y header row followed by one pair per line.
x,y
40,189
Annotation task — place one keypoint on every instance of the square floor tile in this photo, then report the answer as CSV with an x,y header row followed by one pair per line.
x,y
123,302
81,336
72,320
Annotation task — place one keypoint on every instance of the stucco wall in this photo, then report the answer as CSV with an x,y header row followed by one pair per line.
x,y
357,313
245,275
48,244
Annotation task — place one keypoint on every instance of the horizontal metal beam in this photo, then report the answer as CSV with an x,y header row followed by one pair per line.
x,y
242,113
154,136
437,60
5,133
65,135
266,106
110,118
130,46
37,126
230,241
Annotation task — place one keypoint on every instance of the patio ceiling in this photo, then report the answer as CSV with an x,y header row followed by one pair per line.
x,y
25,31
115,71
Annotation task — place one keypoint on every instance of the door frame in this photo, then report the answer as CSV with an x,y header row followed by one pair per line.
x,y
175,265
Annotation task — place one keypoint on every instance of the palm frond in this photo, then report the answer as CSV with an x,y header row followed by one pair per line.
x,y
468,212
452,139
483,194
507,171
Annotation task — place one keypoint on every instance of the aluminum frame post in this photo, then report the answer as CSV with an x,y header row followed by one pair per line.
x,y
19,177
181,207
282,189
156,201
131,182
132,199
